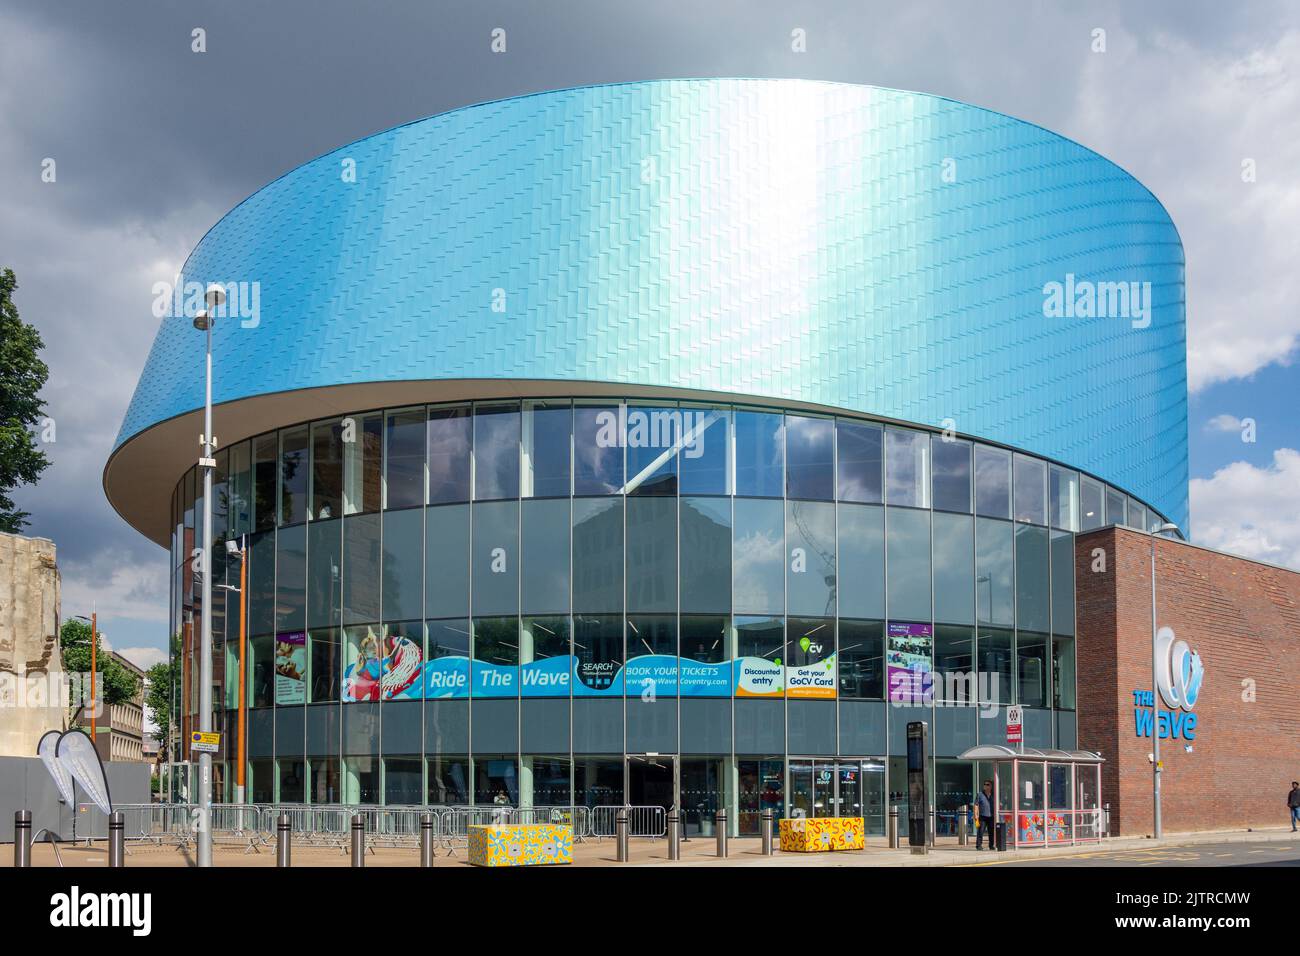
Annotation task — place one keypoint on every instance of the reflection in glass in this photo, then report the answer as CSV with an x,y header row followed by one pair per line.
x,y
1063,673
760,457
1063,498
992,482
954,568
861,659
327,469
861,571
403,562
705,458
652,554
758,557
907,534
404,479
760,637
994,652
547,438
496,640
1031,476
859,449
1031,653
598,554
546,556
952,474
495,553
1092,511
955,679
293,475
651,634
1032,579
597,450
448,780
1116,508
324,664
544,637
907,478
810,457
654,433
704,637
449,454
363,443
994,595
705,554
810,581
446,562
496,452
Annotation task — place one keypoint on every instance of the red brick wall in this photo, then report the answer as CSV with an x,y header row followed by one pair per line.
x,y
1243,618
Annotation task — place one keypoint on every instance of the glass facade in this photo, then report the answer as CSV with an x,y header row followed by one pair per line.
x,y
532,601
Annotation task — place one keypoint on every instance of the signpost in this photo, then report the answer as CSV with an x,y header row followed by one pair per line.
x,y
1015,720
202,742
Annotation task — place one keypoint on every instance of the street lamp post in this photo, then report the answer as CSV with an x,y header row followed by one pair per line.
x,y
241,551
93,621
1158,826
214,297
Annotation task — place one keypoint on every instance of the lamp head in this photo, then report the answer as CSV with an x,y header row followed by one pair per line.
x,y
203,321
215,296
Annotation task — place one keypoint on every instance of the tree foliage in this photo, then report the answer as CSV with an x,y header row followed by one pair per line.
x,y
162,684
116,684
22,375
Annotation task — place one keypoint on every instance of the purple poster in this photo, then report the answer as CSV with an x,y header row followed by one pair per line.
x,y
907,662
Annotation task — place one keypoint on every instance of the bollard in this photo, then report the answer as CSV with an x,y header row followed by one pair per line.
x,y
426,839
620,833
893,827
22,838
358,840
674,836
283,841
1105,821
769,819
116,826
721,826
963,826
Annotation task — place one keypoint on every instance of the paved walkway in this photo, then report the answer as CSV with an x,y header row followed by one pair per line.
x,y
696,852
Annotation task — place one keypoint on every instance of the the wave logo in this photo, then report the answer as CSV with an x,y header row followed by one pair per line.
x,y
1179,671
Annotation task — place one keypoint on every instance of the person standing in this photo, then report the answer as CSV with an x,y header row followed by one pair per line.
x,y
984,810
1293,803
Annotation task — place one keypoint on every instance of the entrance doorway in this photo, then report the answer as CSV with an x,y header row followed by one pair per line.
x,y
652,781
839,788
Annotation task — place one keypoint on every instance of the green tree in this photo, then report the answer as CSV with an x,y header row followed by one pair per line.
x,y
22,375
162,684
116,684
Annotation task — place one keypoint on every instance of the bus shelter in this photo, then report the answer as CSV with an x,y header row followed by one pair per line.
x,y
1044,797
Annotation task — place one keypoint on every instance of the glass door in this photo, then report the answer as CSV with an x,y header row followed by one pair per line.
x,y
848,798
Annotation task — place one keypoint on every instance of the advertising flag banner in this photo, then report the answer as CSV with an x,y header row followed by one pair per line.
x,y
78,756
62,779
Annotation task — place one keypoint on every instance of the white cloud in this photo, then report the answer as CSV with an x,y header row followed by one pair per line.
x,y
144,657
1251,511
1198,116
1223,423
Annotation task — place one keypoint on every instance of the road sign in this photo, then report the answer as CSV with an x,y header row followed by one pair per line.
x,y
204,743
1014,722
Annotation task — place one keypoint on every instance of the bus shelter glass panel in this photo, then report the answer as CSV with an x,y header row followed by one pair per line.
x,y
1060,823
1029,801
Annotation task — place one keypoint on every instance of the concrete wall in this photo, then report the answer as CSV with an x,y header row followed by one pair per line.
x,y
1243,619
29,642
25,784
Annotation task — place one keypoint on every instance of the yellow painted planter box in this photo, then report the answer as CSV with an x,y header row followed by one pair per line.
x,y
533,844
822,834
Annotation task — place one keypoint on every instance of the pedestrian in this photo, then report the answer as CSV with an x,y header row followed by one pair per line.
x,y
984,810
1293,803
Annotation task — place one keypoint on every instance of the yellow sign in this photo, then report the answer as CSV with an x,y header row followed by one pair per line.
x,y
205,742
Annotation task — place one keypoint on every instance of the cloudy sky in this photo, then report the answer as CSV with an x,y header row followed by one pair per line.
x,y
153,142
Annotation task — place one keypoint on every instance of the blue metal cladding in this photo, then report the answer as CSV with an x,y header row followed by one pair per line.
x,y
868,249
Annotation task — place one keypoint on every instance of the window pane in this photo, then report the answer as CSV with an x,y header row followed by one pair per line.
x,y
1031,507
810,543
992,482
1063,498
261,582
448,780
544,657
1063,673
954,569
361,460
495,555
704,640
810,457
908,545
861,659
449,457
758,557
241,489
326,658
1031,654
265,481
547,438
1032,581
291,579
446,673
327,469
861,570
759,455
446,564
404,486
293,475
907,479
760,656
705,457
598,554
361,567
1137,515
496,452
598,647
546,556
954,665
402,643
496,781
652,554
810,651
261,692
1116,510
653,435
994,596
496,656
362,663
1062,583
952,484
859,452
706,554
652,655
1092,512
597,450
403,587
403,784
994,651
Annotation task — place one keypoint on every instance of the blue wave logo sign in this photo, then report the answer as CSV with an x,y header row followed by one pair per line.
x,y
1180,674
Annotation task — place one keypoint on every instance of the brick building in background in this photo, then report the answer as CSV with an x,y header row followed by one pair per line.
x,y
1243,619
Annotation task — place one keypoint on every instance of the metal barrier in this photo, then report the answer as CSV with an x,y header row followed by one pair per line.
x,y
645,822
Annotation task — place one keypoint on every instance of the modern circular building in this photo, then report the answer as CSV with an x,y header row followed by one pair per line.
x,y
664,443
